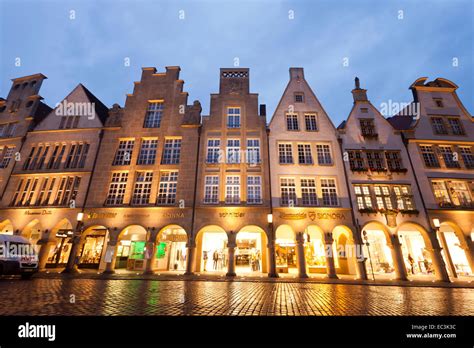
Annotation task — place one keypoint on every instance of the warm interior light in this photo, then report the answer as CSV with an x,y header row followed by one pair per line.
x,y
80,216
436,223
270,218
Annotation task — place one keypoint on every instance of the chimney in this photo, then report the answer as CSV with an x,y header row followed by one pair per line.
x,y
358,93
263,110
296,73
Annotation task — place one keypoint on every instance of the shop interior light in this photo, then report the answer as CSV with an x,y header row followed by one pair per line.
x,y
436,223
80,216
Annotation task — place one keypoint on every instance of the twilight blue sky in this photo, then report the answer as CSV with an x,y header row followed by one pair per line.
x,y
387,53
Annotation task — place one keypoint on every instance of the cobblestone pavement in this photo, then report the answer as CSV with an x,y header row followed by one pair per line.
x,y
148,297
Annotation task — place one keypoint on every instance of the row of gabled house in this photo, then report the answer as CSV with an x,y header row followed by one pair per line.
x,y
155,186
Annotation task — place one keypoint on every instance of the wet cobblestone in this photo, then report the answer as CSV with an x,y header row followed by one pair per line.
x,y
147,297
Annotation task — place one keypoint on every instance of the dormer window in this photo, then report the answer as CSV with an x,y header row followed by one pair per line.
x,y
438,102
299,97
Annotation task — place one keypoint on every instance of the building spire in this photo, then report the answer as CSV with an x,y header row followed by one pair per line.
x,y
357,83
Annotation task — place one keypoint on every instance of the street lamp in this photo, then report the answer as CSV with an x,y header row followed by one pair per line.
x,y
366,238
270,218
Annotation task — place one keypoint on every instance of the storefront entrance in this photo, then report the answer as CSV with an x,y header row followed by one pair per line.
x,y
251,251
131,249
453,252
93,248
59,254
285,250
416,256
314,248
214,253
171,249
379,256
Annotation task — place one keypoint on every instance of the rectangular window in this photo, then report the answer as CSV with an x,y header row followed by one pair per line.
x,y
288,192
147,153
42,158
233,117
49,194
299,97
329,193
171,151
29,199
310,122
460,195
29,158
211,189
36,157
367,127
7,130
117,187
404,197
430,158
213,150
467,156
304,154
448,156
253,151
24,192
308,192
42,193
72,151
6,156
382,197
142,189
168,188
254,189
375,160
438,125
394,161
356,161
17,193
85,151
123,156
292,122
77,156
232,189
154,115
324,155
285,154
233,150
456,126
363,197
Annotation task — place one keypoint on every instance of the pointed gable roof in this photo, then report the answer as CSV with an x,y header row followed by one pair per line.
x,y
297,76
101,110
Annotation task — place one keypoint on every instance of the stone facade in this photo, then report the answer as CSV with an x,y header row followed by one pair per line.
x,y
154,187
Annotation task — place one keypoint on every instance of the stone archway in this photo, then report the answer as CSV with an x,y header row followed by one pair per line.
x,y
315,250
457,251
211,239
94,241
251,255
285,250
131,248
170,251
378,250
346,252
421,252
60,244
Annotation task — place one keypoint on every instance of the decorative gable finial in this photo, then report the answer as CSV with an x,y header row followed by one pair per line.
x,y
357,83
